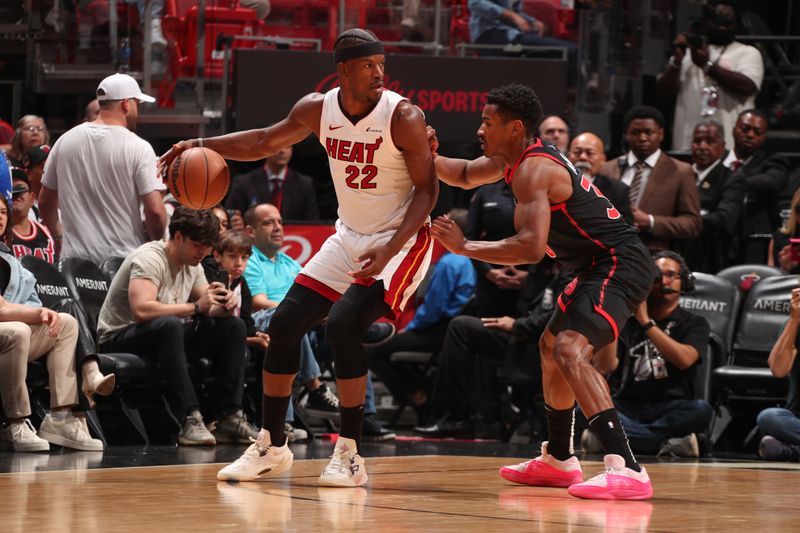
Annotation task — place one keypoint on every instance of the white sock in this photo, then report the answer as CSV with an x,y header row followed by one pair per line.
x,y
59,415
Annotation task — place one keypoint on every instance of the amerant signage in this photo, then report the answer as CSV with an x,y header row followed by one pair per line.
x,y
450,90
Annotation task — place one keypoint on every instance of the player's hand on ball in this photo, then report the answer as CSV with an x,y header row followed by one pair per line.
x,y
166,160
448,233
376,260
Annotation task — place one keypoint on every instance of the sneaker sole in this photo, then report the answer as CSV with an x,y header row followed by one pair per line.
x,y
37,447
335,482
185,442
52,438
599,494
283,466
540,480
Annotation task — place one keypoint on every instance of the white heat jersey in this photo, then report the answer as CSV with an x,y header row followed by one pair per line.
x,y
370,175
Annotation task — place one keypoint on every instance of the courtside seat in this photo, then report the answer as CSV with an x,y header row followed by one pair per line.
x,y
111,265
718,301
745,277
746,376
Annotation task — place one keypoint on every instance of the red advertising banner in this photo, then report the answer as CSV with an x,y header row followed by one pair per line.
x,y
304,240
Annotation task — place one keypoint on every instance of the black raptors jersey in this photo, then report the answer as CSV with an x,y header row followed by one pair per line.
x,y
587,223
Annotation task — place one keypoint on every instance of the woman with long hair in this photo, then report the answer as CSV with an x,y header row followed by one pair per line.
x,y
31,131
780,247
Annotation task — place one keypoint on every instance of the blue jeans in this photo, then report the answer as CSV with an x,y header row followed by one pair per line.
x,y
780,423
309,369
648,425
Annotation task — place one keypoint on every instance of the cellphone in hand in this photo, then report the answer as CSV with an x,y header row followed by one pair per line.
x,y
794,250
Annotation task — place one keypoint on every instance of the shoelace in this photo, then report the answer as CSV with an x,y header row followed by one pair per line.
x,y
330,398
19,431
340,462
77,430
254,450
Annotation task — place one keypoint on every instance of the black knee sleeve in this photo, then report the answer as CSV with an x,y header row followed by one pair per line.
x,y
359,307
301,309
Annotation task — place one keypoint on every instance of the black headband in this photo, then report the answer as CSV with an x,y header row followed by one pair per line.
x,y
360,50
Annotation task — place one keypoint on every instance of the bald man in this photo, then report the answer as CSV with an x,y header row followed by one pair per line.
x,y
554,130
587,153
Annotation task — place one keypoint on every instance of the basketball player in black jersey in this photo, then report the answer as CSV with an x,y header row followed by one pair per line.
x,y
561,214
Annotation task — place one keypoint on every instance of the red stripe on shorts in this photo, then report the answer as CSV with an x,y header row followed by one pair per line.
x,y
408,268
317,286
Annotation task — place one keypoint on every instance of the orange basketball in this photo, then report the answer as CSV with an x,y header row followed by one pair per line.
x,y
199,178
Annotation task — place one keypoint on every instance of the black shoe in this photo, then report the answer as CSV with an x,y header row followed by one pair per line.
x,y
373,431
773,449
378,333
447,427
323,403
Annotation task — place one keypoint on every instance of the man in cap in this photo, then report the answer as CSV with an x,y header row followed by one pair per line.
x,y
96,177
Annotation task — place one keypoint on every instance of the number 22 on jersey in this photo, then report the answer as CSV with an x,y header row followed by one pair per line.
x,y
361,178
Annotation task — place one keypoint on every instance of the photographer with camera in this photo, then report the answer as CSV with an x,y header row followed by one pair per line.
x,y
710,74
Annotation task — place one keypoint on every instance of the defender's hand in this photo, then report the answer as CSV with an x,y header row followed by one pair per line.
x,y
449,234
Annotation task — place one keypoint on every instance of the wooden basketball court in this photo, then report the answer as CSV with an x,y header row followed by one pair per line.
x,y
423,493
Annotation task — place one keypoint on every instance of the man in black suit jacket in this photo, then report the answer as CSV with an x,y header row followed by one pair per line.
x,y
275,183
766,176
587,153
721,202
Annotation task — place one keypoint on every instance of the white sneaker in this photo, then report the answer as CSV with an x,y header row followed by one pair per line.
x,y
294,434
71,432
260,460
346,468
22,437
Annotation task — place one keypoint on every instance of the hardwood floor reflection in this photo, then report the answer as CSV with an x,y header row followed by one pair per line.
x,y
423,493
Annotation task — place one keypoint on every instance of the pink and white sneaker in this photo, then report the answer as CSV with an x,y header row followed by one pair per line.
x,y
545,471
616,482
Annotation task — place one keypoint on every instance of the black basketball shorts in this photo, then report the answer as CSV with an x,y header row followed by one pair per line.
x,y
601,298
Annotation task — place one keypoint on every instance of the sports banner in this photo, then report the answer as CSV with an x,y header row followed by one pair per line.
x,y
450,90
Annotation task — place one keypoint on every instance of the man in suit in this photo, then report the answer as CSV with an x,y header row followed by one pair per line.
x,y
766,176
721,201
277,184
587,153
663,193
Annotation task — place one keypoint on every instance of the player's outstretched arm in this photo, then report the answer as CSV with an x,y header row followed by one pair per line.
x,y
252,145
463,173
531,217
408,134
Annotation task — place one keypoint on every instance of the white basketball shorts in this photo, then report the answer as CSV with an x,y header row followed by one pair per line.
x,y
327,272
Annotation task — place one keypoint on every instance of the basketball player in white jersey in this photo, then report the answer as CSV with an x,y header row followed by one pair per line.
x,y
386,186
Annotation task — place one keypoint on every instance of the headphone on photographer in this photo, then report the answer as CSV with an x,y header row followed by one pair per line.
x,y
687,278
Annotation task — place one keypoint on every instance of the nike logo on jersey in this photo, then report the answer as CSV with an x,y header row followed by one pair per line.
x,y
332,127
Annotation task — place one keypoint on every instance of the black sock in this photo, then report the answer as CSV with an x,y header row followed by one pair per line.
x,y
351,419
609,430
273,417
560,429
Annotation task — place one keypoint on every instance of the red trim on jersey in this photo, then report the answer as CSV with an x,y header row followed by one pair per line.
x,y
609,276
404,275
558,207
602,312
509,173
580,229
317,286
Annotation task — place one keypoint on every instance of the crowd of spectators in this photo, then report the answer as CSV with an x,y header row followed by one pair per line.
x,y
730,201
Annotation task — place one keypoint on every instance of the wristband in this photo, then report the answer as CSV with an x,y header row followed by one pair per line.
x,y
196,307
649,324
199,142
